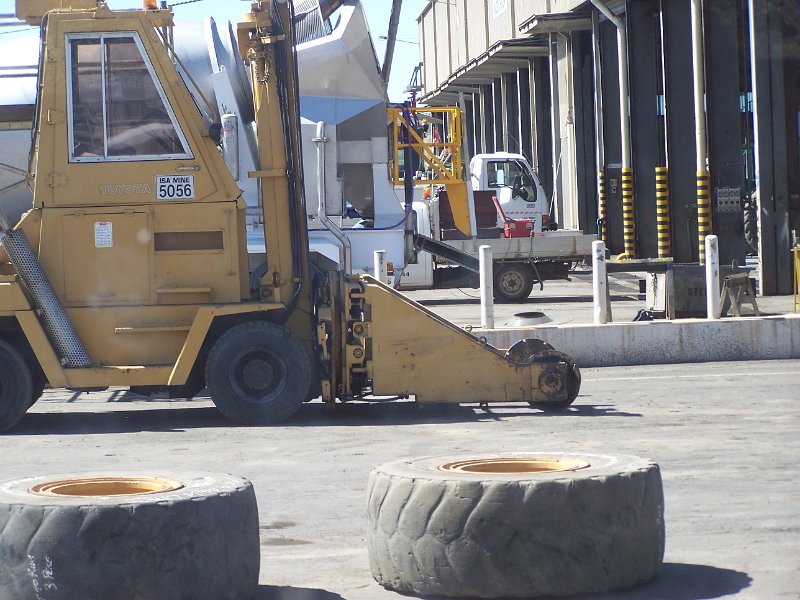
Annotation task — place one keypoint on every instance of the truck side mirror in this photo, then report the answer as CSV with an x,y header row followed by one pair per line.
x,y
215,133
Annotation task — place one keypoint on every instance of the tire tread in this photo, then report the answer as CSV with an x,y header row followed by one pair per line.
x,y
515,539
200,548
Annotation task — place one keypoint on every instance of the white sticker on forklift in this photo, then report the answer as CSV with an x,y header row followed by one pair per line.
x,y
174,187
103,236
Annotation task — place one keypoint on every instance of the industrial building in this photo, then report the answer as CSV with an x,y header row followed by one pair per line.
x,y
651,122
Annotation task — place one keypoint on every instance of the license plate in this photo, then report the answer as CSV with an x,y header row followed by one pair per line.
x,y
175,187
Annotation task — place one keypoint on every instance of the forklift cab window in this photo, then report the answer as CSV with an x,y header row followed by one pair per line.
x,y
117,108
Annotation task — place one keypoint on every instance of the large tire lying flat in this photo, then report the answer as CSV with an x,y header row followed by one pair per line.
x,y
190,536
500,527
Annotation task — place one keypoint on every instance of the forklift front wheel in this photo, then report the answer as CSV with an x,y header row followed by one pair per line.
x,y
258,373
16,386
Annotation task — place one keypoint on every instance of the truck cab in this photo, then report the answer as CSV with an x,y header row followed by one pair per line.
x,y
517,187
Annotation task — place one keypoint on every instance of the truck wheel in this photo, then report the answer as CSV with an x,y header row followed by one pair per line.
x,y
97,536
258,373
16,386
515,525
513,283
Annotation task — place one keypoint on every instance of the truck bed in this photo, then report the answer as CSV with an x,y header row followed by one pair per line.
x,y
568,244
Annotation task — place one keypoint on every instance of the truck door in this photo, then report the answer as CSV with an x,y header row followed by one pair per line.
x,y
526,199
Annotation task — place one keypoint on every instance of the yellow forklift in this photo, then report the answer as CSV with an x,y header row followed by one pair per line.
x,y
131,268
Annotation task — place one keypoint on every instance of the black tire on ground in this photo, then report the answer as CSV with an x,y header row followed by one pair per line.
x,y
258,373
197,542
500,527
513,282
16,386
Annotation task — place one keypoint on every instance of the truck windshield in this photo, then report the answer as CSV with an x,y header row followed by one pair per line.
x,y
506,174
118,110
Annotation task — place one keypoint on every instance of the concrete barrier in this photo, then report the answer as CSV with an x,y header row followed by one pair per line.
x,y
664,342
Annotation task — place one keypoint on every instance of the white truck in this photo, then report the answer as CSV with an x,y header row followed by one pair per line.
x,y
526,247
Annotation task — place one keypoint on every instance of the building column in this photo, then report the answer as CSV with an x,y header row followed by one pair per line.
x,y
726,164
768,48
644,55
677,50
541,125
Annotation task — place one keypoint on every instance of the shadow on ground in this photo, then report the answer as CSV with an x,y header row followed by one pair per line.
x,y
75,419
272,592
690,582
679,581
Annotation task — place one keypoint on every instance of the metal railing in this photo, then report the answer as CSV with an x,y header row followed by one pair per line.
x,y
434,136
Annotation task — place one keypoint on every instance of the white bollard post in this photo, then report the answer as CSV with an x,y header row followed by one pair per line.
x,y
487,296
380,265
712,277
599,283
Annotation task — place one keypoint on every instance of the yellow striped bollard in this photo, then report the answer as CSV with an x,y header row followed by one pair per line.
x,y
662,213
628,214
602,228
703,212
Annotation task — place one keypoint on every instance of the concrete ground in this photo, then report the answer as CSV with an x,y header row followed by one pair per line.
x,y
725,436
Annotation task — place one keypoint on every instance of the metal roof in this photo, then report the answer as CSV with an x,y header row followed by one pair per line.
x,y
502,57
555,22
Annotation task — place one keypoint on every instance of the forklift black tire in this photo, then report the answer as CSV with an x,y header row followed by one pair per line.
x,y
39,383
515,525
258,373
16,386
513,282
128,536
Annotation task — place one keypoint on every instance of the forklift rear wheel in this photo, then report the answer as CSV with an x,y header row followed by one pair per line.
x,y
258,373
513,283
515,525
16,386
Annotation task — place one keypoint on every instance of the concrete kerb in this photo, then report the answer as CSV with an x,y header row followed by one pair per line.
x,y
664,342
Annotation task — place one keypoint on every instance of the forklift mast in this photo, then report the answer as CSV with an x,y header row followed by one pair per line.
x,y
266,44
